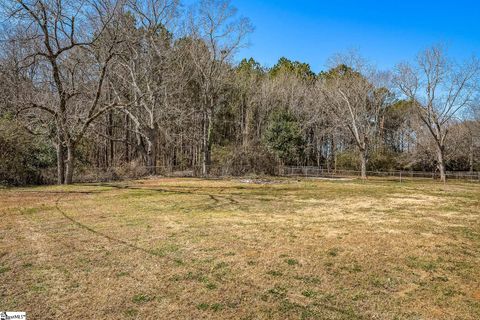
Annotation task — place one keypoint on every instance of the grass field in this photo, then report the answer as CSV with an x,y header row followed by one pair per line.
x,y
286,249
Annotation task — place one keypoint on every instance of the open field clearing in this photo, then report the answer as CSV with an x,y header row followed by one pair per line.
x,y
287,249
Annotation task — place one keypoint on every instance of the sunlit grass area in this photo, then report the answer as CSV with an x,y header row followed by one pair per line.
x,y
243,249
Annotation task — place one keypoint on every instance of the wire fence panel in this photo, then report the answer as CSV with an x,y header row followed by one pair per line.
x,y
395,175
96,174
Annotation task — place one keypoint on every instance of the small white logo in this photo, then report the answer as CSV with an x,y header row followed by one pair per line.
x,y
13,315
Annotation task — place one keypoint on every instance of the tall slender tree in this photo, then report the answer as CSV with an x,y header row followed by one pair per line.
x,y
355,101
217,35
440,90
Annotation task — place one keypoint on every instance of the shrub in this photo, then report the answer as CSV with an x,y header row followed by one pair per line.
x,y
284,137
22,155
254,158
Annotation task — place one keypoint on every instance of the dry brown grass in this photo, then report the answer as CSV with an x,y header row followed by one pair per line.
x,y
188,248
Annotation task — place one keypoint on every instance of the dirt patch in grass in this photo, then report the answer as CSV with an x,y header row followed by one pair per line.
x,y
192,248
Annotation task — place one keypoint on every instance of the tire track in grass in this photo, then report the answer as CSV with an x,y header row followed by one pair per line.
x,y
81,225
101,234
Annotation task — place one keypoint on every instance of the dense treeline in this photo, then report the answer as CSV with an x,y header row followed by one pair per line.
x,y
150,83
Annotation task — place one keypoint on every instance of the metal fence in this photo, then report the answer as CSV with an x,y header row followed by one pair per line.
x,y
105,174
96,174
302,171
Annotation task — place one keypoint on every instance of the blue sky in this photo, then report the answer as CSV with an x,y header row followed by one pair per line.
x,y
385,32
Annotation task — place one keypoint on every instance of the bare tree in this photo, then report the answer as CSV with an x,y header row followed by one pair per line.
x,y
66,43
473,128
355,101
440,90
215,36
142,72
247,82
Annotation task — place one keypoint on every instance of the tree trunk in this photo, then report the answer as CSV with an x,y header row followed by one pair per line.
x,y
363,163
111,141
152,150
60,163
127,139
206,143
152,157
246,126
334,153
471,155
441,163
70,164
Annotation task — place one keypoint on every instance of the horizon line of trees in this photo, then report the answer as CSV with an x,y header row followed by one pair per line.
x,y
108,83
